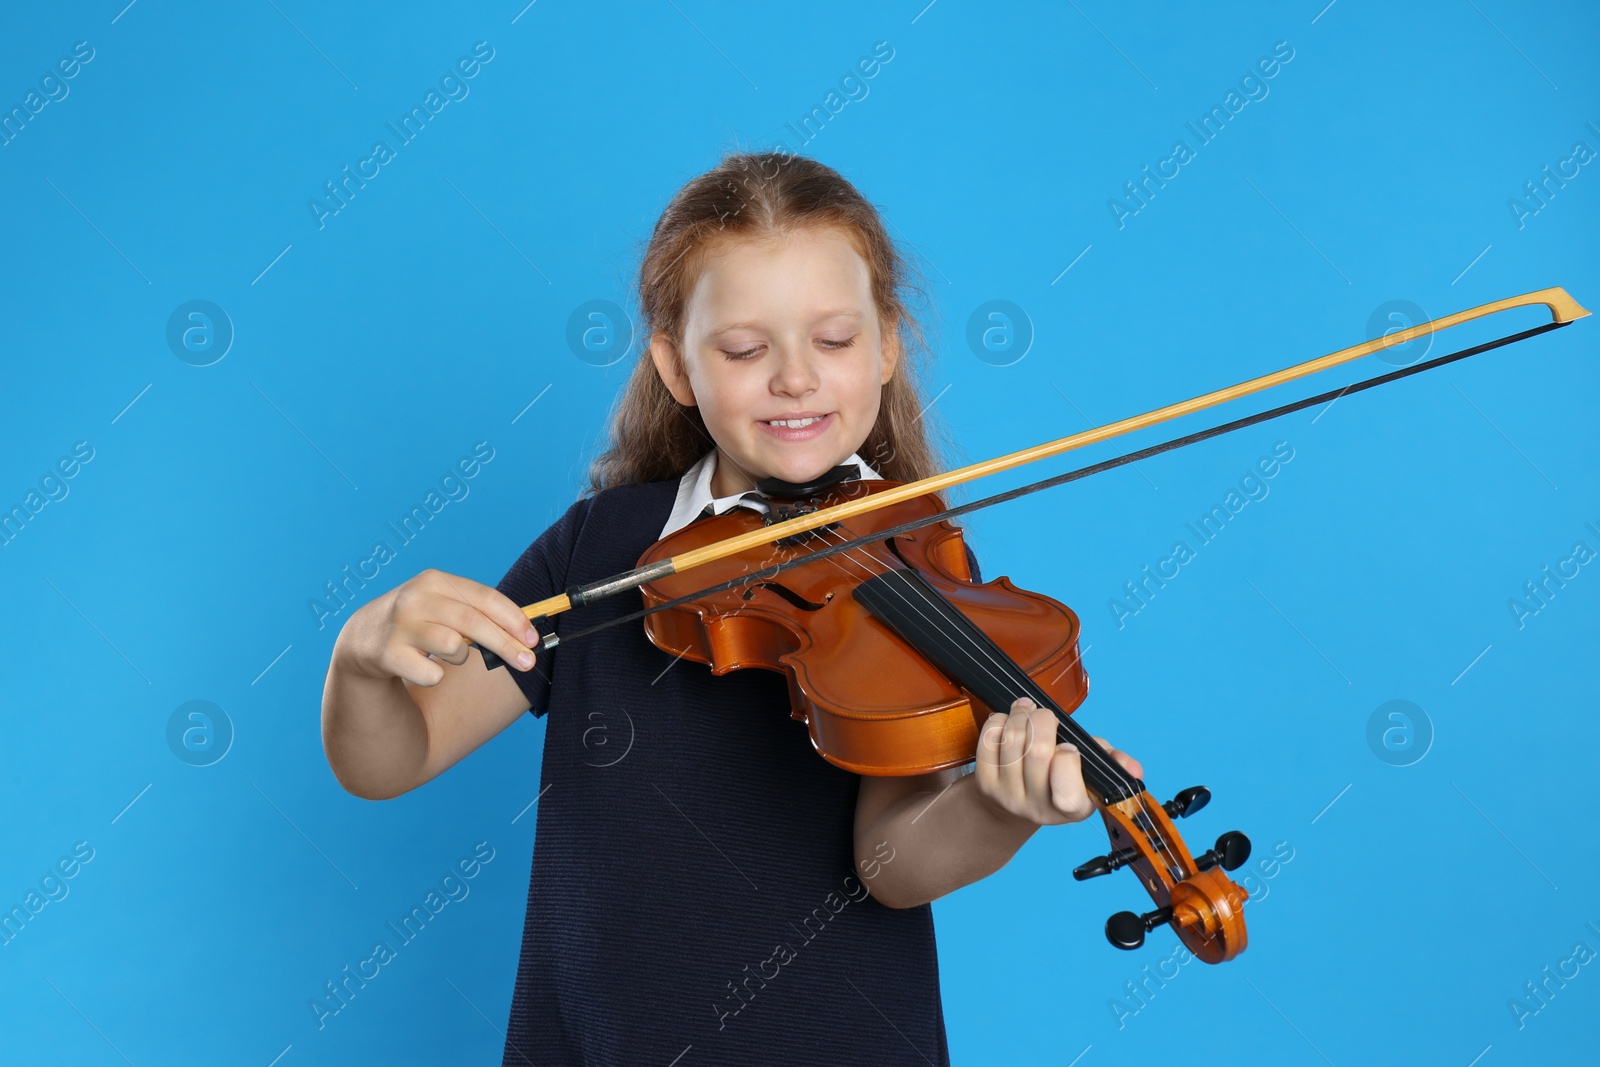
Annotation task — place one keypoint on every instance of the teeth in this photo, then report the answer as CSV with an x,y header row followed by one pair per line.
x,y
794,424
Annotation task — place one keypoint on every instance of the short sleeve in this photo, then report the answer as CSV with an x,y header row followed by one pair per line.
x,y
540,573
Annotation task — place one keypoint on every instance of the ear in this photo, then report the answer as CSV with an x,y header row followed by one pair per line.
x,y
891,353
669,365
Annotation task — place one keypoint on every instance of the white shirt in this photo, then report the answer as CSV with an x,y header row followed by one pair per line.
x,y
695,500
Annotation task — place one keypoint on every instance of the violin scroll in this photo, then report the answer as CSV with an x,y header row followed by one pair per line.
x,y
1203,905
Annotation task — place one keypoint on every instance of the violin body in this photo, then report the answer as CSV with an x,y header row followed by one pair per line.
x,y
871,705
895,658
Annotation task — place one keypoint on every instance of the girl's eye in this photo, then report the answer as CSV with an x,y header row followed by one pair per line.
x,y
752,351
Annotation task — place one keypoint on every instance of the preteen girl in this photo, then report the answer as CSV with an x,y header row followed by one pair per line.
x,y
706,888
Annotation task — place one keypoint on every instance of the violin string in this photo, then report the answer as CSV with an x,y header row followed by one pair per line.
x,y
1002,671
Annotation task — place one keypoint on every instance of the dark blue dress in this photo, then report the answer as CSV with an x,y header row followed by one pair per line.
x,y
694,898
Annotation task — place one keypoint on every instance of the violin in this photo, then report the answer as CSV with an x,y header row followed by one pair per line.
x,y
895,656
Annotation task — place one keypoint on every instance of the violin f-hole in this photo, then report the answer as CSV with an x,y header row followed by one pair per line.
x,y
788,594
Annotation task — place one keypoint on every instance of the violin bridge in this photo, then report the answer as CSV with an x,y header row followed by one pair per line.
x,y
784,512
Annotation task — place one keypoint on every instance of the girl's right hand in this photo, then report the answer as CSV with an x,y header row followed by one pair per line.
x,y
434,615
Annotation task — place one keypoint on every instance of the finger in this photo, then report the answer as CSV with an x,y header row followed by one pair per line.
x,y
495,606
1067,793
1013,751
469,622
414,666
1036,761
439,641
1129,764
988,769
1014,738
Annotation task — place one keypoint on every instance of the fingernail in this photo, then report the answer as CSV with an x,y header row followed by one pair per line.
x,y
530,635
524,660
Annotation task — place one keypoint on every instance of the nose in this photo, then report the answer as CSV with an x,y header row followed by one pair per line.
x,y
795,374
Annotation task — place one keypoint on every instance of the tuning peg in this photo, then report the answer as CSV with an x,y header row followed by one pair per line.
x,y
1233,848
1126,930
1105,864
1187,802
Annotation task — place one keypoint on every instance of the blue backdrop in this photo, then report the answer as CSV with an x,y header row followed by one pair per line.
x,y
223,379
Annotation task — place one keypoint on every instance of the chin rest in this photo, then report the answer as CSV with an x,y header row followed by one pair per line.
x,y
777,487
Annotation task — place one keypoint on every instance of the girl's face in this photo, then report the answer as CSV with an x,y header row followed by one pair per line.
x,y
780,329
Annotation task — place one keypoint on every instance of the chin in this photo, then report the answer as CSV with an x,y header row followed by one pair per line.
x,y
793,472
802,468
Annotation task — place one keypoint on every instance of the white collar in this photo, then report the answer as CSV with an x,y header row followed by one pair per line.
x,y
695,500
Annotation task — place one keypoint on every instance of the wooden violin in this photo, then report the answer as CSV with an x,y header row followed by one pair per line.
x,y
860,592
895,658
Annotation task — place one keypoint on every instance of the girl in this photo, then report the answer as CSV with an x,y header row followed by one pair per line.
x,y
706,888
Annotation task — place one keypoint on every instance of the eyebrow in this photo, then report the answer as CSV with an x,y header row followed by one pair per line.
x,y
833,313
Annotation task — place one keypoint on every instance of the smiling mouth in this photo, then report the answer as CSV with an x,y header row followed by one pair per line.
x,y
803,426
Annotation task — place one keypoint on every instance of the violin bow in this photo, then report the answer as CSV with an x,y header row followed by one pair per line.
x,y
1563,311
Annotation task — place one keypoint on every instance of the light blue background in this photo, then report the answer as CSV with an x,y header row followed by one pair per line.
x,y
373,353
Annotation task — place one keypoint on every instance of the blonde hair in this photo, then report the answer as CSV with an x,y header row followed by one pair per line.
x,y
762,195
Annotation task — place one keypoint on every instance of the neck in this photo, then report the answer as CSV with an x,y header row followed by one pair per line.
x,y
727,479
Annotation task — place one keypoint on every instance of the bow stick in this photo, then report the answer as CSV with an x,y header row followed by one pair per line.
x,y
1563,310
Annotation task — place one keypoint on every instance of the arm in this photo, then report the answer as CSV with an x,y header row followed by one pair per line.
x,y
918,838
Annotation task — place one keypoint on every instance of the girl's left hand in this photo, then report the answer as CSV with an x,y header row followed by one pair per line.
x,y
1022,772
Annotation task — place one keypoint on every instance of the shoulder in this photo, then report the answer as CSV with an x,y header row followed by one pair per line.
x,y
618,506
615,524
637,496
626,512
590,525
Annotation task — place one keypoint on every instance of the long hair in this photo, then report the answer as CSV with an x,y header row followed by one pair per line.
x,y
763,195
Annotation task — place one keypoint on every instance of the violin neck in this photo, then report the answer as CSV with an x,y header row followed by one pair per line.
x,y
915,610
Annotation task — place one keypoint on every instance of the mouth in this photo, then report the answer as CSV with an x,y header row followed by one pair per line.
x,y
799,426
